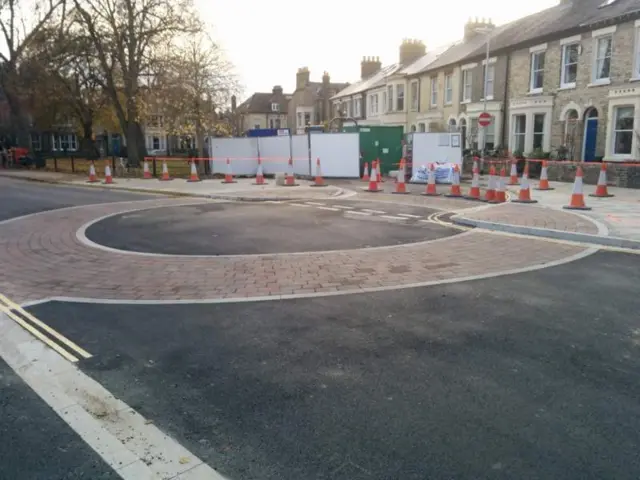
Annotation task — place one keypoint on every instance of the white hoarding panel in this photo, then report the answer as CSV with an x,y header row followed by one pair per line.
x,y
300,154
275,153
339,154
435,148
242,152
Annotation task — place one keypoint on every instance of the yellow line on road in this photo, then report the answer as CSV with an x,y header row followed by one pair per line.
x,y
51,344
10,307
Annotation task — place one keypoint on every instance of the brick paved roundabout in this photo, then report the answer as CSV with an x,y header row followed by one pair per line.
x,y
44,257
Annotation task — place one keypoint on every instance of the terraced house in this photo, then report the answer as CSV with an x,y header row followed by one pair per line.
x,y
572,82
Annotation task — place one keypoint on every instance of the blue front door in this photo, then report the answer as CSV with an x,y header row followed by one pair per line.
x,y
590,136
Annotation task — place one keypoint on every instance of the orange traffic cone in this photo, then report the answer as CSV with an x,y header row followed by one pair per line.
x,y
146,173
93,178
490,194
544,178
108,179
290,179
193,177
474,191
165,172
501,194
401,186
513,175
379,170
455,183
577,197
525,193
431,183
259,174
319,182
228,176
601,188
365,173
373,180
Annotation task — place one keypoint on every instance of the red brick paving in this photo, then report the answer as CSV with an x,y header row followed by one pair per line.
x,y
42,257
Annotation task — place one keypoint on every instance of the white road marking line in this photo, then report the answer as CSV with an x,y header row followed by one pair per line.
x,y
315,204
134,447
329,208
344,207
373,211
300,205
391,217
408,215
367,214
425,221
273,201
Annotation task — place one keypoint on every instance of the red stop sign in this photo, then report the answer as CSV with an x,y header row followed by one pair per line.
x,y
484,119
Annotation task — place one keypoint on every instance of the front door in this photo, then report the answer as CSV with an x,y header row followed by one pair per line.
x,y
590,136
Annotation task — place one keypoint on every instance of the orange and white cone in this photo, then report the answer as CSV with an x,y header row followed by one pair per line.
x,y
431,183
373,180
513,175
193,177
319,181
379,170
455,191
365,173
290,179
524,196
474,191
577,196
260,174
93,178
501,194
490,194
146,173
401,186
165,172
108,178
228,176
544,178
601,188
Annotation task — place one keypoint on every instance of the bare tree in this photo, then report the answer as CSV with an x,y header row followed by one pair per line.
x,y
126,35
20,24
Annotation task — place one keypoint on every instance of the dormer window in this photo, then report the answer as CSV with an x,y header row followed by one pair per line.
x,y
275,107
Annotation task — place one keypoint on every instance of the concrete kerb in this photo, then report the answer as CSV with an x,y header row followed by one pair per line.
x,y
588,238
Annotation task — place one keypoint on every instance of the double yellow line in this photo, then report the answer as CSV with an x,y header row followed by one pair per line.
x,y
43,332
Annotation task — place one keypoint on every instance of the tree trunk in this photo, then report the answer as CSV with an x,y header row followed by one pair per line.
x,y
201,147
20,122
88,144
136,149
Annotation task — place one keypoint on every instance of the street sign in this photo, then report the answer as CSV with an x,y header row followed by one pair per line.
x,y
484,119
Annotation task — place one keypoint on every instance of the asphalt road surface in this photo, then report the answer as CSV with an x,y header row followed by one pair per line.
x,y
525,376
250,228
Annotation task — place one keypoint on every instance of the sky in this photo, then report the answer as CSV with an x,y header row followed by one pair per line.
x,y
268,41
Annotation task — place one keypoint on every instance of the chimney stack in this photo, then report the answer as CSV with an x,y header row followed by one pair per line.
x,y
369,66
302,78
277,90
472,26
411,50
326,79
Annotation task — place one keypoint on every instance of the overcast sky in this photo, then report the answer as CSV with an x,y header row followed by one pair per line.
x,y
269,40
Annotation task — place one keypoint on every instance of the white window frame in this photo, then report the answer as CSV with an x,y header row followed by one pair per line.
x,y
491,76
385,103
357,104
36,142
299,119
433,101
400,96
415,95
636,52
448,89
564,65
70,139
533,71
467,82
614,131
598,36
514,133
542,133
422,127
275,107
390,102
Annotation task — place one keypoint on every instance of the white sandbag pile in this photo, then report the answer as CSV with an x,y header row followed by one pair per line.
x,y
444,173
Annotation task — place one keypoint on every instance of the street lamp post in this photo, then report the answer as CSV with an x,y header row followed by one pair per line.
x,y
487,32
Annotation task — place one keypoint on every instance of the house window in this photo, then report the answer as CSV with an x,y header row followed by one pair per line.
x,y
275,107
374,104
156,121
537,72
434,91
300,124
448,89
602,63
66,142
466,85
415,99
307,118
390,98
569,72
36,142
384,101
271,123
519,132
623,130
538,131
357,107
421,127
346,109
489,133
399,98
473,133
488,74
256,126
